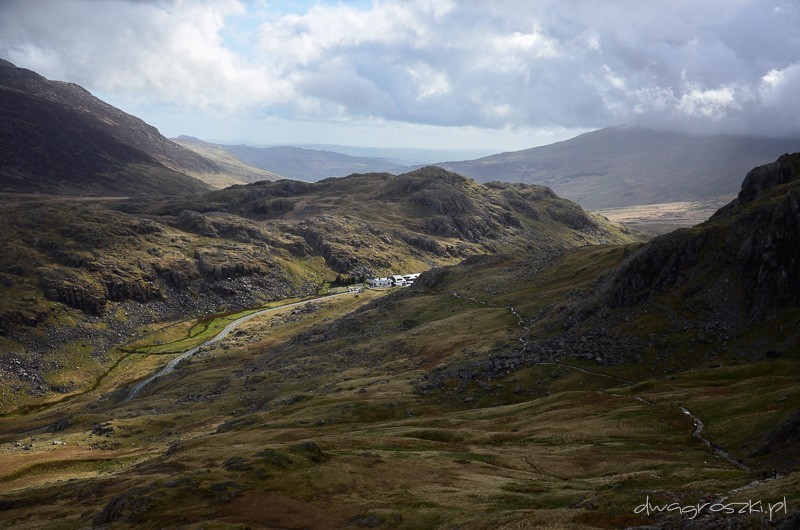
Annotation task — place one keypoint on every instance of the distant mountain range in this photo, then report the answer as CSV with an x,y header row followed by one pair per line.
x,y
625,165
310,164
405,156
55,137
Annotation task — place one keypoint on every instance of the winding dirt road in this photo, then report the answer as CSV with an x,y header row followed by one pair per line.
x,y
170,366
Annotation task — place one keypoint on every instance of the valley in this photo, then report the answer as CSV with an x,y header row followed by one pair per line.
x,y
187,339
537,374
319,416
80,276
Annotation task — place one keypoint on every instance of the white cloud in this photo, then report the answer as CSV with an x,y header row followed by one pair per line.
x,y
780,88
429,81
712,103
716,66
532,44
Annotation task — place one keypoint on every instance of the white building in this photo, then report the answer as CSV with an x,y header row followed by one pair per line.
x,y
393,280
379,282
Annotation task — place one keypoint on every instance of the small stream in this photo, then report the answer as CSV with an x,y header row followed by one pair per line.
x,y
698,433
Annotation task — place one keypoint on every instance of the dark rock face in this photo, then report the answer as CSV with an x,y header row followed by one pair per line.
x,y
75,291
662,264
272,207
769,257
571,215
128,507
422,243
217,265
119,289
177,273
755,241
197,223
320,242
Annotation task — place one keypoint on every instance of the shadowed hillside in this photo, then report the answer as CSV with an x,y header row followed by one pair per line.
x,y
57,138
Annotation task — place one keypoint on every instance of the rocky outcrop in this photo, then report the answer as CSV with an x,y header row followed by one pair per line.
x,y
768,256
422,243
73,289
128,506
663,264
320,242
119,288
217,264
197,223
784,170
178,273
271,208
570,214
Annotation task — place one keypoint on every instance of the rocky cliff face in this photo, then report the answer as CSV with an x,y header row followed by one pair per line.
x,y
752,244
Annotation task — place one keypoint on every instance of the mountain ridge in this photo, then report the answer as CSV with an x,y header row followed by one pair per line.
x,y
240,172
124,127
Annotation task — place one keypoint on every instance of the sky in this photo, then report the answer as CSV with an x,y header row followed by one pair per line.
x,y
503,75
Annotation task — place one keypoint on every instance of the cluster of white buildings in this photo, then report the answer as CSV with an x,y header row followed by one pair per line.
x,y
396,280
